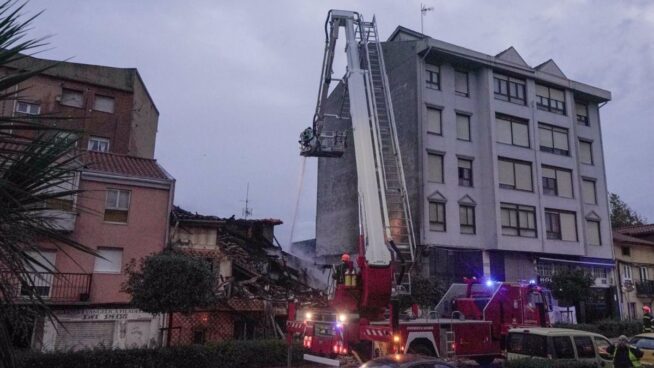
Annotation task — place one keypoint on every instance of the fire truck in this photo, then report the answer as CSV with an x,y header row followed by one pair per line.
x,y
362,316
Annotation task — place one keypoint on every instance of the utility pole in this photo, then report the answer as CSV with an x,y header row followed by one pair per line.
x,y
247,211
423,10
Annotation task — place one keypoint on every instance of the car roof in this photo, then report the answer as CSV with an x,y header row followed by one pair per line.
x,y
551,331
648,335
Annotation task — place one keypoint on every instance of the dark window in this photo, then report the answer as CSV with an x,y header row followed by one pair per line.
x,y
465,172
561,225
581,110
509,89
553,225
512,130
550,99
626,251
549,186
527,344
461,83
585,348
557,181
433,77
518,220
563,347
467,219
437,216
199,337
553,139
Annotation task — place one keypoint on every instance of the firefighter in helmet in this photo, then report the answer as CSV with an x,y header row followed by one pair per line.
x,y
342,268
647,319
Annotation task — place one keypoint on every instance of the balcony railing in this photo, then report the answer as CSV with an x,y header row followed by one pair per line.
x,y
645,288
52,287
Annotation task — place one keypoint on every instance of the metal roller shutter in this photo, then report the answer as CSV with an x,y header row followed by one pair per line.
x,y
81,335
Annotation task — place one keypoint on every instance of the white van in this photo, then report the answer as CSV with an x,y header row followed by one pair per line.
x,y
559,344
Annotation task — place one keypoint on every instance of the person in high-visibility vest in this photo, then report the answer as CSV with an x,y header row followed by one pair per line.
x,y
647,319
624,354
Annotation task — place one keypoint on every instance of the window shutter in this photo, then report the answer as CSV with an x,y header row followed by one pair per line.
x,y
520,135
111,261
561,140
545,137
585,152
564,183
589,194
593,232
523,176
542,91
461,82
435,168
104,103
506,172
568,227
557,94
434,124
581,109
463,127
85,335
503,131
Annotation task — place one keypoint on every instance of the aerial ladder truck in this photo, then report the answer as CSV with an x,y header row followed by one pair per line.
x,y
360,316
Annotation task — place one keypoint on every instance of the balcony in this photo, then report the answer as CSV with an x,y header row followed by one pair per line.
x,y
645,288
52,287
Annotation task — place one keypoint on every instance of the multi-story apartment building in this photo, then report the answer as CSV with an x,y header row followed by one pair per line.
x,y
111,107
634,254
122,211
503,162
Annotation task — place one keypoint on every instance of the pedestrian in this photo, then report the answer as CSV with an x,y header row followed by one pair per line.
x,y
624,354
647,318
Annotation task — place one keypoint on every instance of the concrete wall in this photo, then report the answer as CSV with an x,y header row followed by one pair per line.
x,y
144,121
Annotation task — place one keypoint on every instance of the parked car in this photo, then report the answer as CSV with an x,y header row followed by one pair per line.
x,y
407,361
645,342
559,344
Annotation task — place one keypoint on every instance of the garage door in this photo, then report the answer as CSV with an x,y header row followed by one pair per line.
x,y
84,335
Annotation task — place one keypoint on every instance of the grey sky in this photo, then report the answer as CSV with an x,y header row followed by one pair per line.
x,y
236,81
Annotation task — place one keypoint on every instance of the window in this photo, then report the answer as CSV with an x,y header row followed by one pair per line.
x,y
603,348
436,216
585,348
557,182
104,104
582,113
59,204
553,139
585,152
509,89
465,172
467,219
117,205
434,122
593,232
433,77
550,99
626,272
110,260
98,144
589,191
512,130
515,174
435,167
28,108
463,127
527,344
626,251
71,97
561,225
461,83
644,273
518,220
563,347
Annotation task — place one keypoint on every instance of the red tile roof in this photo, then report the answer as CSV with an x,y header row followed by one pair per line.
x,y
124,165
636,229
626,239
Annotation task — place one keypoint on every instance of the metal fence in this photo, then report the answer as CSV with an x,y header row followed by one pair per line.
x,y
56,287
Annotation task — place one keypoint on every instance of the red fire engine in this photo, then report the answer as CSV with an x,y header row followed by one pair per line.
x,y
361,317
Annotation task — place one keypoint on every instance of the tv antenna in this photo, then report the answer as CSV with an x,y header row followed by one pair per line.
x,y
247,211
423,10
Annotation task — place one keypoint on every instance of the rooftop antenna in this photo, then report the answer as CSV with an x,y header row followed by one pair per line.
x,y
423,10
247,211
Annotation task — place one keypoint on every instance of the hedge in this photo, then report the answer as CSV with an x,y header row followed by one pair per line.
x,y
608,328
256,354
547,363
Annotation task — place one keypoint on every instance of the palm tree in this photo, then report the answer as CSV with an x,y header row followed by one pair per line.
x,y
39,164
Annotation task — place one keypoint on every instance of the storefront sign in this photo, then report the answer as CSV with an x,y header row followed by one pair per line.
x,y
103,314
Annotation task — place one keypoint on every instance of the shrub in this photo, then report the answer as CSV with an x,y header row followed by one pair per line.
x,y
547,363
232,354
608,327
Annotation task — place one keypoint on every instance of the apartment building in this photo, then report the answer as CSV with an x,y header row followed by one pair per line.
x,y
634,254
110,107
503,162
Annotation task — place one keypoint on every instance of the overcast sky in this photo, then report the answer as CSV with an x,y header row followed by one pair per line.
x,y
236,81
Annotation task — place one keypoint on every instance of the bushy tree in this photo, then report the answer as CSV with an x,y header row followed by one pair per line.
x,y
571,286
622,214
171,281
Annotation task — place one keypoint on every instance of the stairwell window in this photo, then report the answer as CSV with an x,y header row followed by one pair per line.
x,y
593,235
586,152
461,83
434,121
509,89
589,191
518,220
467,219
557,182
581,110
553,139
465,172
514,174
435,167
550,99
512,130
117,205
463,127
561,225
437,216
72,98
433,77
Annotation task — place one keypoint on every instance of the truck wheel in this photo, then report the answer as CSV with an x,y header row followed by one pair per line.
x,y
485,361
422,348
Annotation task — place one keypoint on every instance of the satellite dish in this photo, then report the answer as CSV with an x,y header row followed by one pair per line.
x,y
627,286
